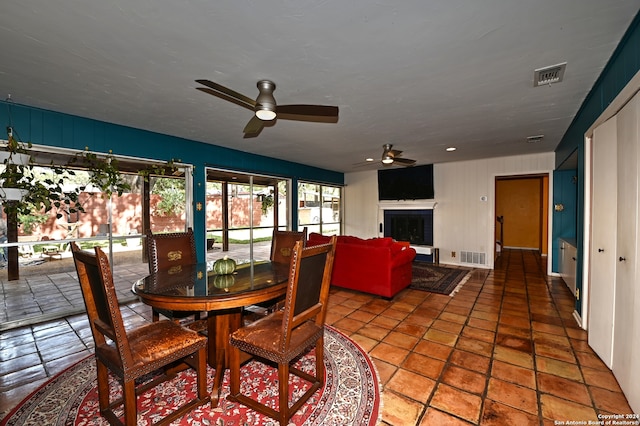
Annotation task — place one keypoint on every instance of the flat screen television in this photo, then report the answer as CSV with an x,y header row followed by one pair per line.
x,y
406,183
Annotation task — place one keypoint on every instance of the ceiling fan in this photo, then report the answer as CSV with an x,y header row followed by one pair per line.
x,y
266,109
390,157
393,156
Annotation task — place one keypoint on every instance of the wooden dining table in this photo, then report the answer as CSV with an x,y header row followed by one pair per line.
x,y
198,288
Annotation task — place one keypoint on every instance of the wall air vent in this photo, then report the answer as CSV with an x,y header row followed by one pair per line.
x,y
473,257
549,75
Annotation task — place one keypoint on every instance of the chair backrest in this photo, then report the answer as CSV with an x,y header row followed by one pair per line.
x,y
282,244
171,250
308,288
101,301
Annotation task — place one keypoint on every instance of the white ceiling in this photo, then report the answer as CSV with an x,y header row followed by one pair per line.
x,y
422,75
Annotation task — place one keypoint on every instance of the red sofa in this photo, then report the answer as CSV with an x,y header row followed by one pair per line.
x,y
378,266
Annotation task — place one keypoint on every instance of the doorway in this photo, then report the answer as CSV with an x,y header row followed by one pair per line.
x,y
522,219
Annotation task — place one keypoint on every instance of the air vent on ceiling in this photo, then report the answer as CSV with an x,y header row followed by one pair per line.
x,y
549,75
534,139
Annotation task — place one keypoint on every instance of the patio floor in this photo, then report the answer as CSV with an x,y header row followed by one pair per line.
x,y
48,289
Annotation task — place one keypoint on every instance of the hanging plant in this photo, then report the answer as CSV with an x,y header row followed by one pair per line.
x,y
267,203
21,193
104,172
159,170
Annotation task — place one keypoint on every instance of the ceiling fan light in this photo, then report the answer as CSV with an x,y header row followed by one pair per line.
x,y
387,159
265,114
265,102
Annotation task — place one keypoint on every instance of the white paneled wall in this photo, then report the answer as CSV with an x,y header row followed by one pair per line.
x,y
361,204
461,220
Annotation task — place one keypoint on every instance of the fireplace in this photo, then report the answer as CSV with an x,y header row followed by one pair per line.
x,y
415,226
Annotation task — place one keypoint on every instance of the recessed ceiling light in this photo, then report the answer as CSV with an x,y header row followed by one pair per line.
x,y
369,159
451,148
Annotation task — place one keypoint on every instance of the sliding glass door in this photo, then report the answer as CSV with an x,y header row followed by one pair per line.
x,y
242,212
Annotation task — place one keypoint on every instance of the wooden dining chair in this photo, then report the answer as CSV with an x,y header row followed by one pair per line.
x,y
282,244
132,353
284,335
167,251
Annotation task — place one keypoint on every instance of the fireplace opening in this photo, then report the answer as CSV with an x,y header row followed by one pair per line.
x,y
415,226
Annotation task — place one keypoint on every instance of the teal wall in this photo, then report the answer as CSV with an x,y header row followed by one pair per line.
x,y
564,222
622,66
50,128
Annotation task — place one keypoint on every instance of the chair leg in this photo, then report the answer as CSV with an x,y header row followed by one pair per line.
x,y
320,360
103,386
201,362
234,370
283,390
130,401
155,316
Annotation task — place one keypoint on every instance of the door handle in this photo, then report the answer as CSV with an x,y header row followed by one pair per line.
x,y
600,250
622,259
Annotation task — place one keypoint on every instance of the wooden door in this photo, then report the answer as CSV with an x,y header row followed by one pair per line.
x,y
519,202
602,268
625,337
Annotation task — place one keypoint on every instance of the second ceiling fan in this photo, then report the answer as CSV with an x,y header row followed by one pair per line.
x,y
392,156
265,108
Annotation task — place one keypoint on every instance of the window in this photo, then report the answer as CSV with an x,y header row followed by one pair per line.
x,y
320,208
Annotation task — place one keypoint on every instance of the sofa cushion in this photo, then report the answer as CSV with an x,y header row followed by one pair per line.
x,y
348,239
380,242
315,239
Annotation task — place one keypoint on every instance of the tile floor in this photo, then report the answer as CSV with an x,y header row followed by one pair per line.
x,y
51,291
505,350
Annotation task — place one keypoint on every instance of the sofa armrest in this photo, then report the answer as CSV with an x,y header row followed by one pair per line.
x,y
403,256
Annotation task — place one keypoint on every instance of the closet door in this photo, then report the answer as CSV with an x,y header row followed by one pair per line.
x,y
625,341
603,240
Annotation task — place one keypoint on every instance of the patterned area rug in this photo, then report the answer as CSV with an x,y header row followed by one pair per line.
x,y
438,279
351,395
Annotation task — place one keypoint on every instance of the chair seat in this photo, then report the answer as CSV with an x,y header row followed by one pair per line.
x,y
258,338
153,344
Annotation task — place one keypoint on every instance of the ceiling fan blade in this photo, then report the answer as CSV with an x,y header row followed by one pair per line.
x,y
404,161
219,88
254,126
365,163
225,97
310,110
395,152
